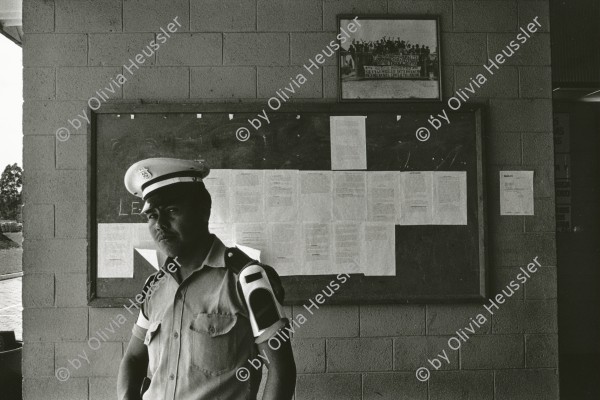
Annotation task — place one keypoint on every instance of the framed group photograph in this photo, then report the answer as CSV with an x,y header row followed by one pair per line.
x,y
389,58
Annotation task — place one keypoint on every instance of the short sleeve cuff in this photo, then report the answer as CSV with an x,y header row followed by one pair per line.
x,y
140,327
139,332
271,331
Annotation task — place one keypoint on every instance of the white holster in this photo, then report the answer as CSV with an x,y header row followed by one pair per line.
x,y
263,308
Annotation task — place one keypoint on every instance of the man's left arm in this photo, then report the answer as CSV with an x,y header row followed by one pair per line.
x,y
281,376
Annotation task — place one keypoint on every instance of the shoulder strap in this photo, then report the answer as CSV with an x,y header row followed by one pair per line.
x,y
236,260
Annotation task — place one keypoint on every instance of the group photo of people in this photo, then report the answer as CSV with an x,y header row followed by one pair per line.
x,y
391,59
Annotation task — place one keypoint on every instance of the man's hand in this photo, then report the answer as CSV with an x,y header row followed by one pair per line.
x,y
281,378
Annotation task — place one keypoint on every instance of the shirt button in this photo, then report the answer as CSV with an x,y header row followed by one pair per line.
x,y
230,254
176,335
172,376
211,329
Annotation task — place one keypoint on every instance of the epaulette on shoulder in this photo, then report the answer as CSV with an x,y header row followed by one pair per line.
x,y
147,285
236,259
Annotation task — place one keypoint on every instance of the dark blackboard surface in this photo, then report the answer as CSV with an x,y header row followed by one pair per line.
x,y
434,263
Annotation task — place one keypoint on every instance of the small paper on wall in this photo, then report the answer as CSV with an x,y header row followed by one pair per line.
x,y
516,192
348,142
115,250
449,198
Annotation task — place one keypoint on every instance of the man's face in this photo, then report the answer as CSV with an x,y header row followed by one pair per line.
x,y
177,225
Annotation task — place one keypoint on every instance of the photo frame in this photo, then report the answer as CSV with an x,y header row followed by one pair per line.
x,y
389,58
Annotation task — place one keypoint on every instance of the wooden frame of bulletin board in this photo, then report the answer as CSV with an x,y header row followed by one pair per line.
x,y
433,263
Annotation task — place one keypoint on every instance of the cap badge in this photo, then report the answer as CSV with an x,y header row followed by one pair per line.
x,y
145,173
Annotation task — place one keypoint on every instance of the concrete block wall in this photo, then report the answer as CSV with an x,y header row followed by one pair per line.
x,y
245,49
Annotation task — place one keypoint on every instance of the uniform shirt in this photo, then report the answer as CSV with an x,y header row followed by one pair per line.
x,y
198,332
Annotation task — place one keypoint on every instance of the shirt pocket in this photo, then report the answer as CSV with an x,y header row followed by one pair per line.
x,y
214,343
152,341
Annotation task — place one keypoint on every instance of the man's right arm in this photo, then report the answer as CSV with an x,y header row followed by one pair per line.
x,y
132,370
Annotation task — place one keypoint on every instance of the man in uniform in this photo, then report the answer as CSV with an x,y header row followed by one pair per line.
x,y
194,332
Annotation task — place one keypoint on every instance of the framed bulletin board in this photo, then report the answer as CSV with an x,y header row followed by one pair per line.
x,y
404,217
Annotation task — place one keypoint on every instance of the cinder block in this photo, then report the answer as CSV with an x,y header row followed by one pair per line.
x,y
55,324
463,48
305,46
102,388
489,16
212,16
38,290
501,278
72,153
448,84
116,50
493,352
520,249
520,115
393,386
157,83
526,384
38,221
107,320
82,83
538,148
88,16
327,321
38,359
309,355
541,351
71,290
54,187
38,83
328,386
71,220
331,8
40,50
289,15
535,82
392,320
412,352
502,224
443,8
366,354
447,319
45,117
192,49
38,153
531,316
151,15
272,79
543,183
38,16
89,358
536,51
543,286
55,255
528,10
223,82
256,49
330,82
461,385
544,218
503,148
53,389
504,83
